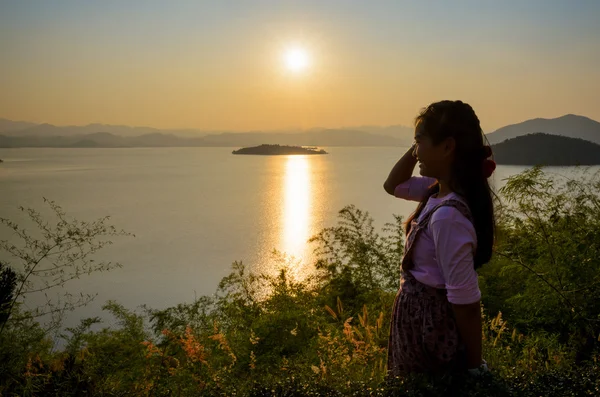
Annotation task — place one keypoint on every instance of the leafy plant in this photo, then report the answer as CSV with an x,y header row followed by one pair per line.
x,y
326,335
51,256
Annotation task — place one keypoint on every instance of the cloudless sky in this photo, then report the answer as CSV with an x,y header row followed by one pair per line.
x,y
217,65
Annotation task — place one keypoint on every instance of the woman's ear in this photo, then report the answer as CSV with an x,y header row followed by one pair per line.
x,y
449,145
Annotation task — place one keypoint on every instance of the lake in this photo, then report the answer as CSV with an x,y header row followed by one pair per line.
x,y
196,210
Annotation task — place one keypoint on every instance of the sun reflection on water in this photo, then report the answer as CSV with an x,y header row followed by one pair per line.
x,y
296,206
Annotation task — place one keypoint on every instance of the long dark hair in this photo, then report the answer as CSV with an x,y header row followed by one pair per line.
x,y
458,120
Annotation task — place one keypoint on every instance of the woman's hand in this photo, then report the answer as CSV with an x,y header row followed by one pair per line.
x,y
468,321
402,171
479,371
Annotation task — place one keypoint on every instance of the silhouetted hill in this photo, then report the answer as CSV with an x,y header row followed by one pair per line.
x,y
569,125
546,149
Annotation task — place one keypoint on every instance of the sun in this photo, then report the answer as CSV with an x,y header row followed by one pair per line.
x,y
296,59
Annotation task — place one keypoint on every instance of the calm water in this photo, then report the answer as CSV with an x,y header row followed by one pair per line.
x,y
196,210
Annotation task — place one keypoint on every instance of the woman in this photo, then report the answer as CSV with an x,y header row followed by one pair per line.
x,y
436,319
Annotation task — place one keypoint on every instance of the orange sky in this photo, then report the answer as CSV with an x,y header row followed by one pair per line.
x,y
219,66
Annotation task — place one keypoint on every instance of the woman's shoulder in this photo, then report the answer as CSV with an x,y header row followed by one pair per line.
x,y
450,222
453,209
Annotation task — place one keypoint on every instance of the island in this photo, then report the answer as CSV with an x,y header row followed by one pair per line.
x,y
271,150
546,149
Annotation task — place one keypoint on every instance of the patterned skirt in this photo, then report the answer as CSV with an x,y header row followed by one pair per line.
x,y
423,333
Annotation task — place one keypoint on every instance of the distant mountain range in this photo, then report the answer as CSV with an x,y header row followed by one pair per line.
x,y
396,131
21,128
9,125
327,137
546,149
105,139
100,139
25,134
570,125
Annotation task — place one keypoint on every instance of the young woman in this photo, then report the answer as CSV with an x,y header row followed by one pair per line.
x,y
436,319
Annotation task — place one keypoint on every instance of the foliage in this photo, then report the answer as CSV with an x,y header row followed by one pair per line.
x,y
8,283
546,269
49,257
326,335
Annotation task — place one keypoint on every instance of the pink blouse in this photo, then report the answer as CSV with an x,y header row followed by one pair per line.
x,y
443,253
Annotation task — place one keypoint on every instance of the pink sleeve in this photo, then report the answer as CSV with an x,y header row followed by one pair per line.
x,y
414,189
455,243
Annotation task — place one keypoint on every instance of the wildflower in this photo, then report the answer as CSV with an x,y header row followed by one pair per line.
x,y
223,345
193,349
151,349
253,338
284,365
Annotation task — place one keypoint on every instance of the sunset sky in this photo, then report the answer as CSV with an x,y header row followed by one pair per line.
x,y
221,65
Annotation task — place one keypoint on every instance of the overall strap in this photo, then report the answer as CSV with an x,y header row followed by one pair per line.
x,y
458,204
422,225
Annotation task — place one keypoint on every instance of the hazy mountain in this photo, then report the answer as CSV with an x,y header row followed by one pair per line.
x,y
569,125
546,149
402,135
71,130
105,139
100,139
330,137
9,125
102,135
401,132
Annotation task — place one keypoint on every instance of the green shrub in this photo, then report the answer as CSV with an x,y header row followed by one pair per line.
x,y
326,335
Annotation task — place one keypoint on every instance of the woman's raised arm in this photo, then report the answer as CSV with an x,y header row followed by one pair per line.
x,y
401,172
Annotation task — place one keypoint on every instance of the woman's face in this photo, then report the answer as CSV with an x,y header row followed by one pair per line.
x,y
434,160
